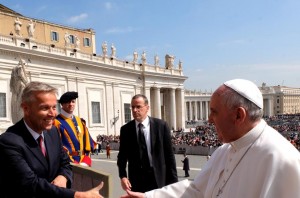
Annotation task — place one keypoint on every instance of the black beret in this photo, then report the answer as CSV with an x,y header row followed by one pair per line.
x,y
68,96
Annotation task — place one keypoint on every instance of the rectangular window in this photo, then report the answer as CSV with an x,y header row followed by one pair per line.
x,y
72,39
96,112
86,42
2,105
54,36
127,113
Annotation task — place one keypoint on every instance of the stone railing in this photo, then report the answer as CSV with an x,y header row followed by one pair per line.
x,y
30,44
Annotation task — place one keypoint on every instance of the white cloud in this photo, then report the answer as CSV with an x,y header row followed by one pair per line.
x,y
78,18
108,5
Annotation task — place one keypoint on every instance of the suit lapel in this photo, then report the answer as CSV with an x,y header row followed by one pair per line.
x,y
32,145
49,145
133,129
153,134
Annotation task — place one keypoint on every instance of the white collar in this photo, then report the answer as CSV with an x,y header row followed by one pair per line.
x,y
249,137
145,122
34,134
64,113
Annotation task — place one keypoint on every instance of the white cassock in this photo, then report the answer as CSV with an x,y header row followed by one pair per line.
x,y
261,164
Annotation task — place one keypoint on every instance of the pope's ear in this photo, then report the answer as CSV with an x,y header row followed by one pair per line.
x,y
240,114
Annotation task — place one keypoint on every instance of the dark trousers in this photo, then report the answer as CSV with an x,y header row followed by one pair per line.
x,y
186,173
146,181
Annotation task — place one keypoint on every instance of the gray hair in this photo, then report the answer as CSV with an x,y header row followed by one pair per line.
x,y
35,86
141,96
232,99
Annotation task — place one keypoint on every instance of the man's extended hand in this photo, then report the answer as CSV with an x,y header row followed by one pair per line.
x,y
94,192
131,194
125,183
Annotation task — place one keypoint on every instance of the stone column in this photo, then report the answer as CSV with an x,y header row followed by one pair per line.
x,y
196,110
148,95
191,112
206,110
172,109
180,106
269,108
157,104
109,108
201,110
116,107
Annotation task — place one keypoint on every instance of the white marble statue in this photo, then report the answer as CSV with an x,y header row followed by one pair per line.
x,y
104,48
18,25
31,29
18,82
156,60
169,61
113,50
143,58
77,42
67,39
135,56
180,65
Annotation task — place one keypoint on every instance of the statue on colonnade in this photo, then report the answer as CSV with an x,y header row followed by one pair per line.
x,y
143,58
18,25
31,29
180,65
169,61
18,82
156,60
104,49
113,50
135,56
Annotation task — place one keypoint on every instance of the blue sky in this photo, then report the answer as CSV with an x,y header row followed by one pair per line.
x,y
217,40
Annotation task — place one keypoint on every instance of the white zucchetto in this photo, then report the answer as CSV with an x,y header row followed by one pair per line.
x,y
247,89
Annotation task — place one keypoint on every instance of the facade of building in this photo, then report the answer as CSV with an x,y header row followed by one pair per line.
x,y
66,58
277,100
280,100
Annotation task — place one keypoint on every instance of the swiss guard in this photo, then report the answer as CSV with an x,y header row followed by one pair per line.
x,y
74,133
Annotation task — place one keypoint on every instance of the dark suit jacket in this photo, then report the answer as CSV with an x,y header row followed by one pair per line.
x,y
25,172
186,164
163,158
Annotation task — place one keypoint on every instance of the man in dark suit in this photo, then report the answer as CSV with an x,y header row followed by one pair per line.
x,y
186,165
33,162
145,143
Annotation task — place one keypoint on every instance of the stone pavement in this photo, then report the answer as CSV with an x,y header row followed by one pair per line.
x,y
100,162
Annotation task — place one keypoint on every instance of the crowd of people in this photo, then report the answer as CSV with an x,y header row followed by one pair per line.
x,y
205,135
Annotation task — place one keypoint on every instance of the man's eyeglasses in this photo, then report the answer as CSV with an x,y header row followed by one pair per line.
x,y
137,107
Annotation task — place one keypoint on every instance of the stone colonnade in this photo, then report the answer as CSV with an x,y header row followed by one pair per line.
x,y
269,106
197,110
167,104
